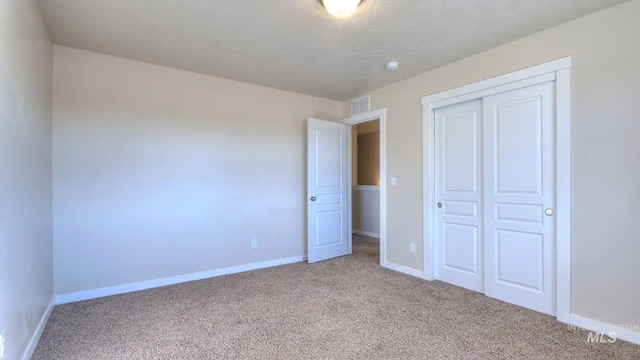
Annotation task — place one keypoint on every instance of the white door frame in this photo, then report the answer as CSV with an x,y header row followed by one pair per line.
x,y
379,114
558,71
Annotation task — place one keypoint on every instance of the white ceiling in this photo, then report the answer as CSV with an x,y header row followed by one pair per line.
x,y
295,44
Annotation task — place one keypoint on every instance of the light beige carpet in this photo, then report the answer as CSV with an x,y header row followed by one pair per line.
x,y
347,308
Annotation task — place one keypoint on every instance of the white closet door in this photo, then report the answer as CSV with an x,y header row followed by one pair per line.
x,y
519,197
458,193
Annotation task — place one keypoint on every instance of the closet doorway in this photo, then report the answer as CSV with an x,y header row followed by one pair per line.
x,y
497,188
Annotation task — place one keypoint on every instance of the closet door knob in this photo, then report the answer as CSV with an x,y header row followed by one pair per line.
x,y
549,212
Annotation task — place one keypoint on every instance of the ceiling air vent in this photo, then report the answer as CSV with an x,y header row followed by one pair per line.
x,y
361,105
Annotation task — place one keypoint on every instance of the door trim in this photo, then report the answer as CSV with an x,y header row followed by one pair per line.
x,y
379,114
558,71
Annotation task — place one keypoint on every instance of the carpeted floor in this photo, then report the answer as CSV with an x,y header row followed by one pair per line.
x,y
346,308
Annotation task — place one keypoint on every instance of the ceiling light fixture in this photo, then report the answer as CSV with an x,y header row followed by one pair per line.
x,y
341,8
392,66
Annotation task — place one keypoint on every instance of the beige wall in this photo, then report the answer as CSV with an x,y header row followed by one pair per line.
x,y
26,269
366,211
369,159
160,172
606,151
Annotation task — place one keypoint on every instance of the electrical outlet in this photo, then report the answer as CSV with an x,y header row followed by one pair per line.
x,y
254,243
412,248
2,344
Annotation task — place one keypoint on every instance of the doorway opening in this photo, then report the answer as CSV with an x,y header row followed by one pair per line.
x,y
365,179
371,239
330,188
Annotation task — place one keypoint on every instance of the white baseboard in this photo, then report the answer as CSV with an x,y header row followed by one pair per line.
x,y
127,288
405,270
623,332
35,338
366,233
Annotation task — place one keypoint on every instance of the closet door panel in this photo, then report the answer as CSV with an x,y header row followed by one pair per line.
x,y
458,189
519,188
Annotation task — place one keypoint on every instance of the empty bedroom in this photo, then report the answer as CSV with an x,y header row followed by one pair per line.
x,y
319,179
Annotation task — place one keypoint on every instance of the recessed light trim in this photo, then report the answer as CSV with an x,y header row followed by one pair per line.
x,y
341,8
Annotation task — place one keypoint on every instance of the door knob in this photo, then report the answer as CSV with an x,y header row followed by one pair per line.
x,y
549,212
439,205
313,198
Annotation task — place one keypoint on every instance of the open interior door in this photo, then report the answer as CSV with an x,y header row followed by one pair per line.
x,y
327,190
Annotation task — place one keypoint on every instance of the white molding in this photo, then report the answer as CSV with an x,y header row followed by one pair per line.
x,y
350,183
144,285
535,80
563,195
383,188
558,70
366,233
366,187
537,70
35,338
622,332
366,116
379,114
405,270
428,191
